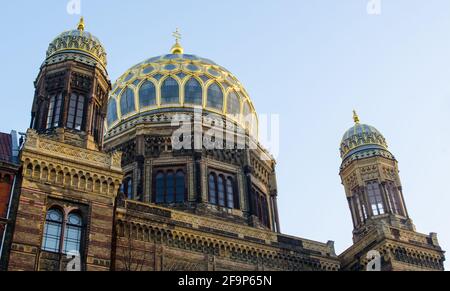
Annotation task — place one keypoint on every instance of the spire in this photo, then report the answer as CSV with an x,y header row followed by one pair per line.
x,y
81,24
355,117
177,49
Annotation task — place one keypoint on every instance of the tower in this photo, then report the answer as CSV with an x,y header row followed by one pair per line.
x,y
68,185
71,90
381,221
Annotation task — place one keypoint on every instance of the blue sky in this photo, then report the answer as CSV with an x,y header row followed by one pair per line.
x,y
312,62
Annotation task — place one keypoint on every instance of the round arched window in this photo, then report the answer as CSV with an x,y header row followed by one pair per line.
x,y
127,104
215,97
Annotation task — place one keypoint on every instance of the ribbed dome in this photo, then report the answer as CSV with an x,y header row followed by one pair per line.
x,y
80,42
361,137
180,82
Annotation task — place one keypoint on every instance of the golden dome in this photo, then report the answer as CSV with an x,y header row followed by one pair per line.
x,y
361,138
80,42
180,82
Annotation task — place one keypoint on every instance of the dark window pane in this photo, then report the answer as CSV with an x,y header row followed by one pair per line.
x,y
72,109
221,191
127,105
233,104
57,115
193,92
51,108
112,111
147,94
160,188
80,113
212,189
230,193
170,92
215,97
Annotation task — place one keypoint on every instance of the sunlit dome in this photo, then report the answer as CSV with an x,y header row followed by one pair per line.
x,y
180,82
79,45
361,138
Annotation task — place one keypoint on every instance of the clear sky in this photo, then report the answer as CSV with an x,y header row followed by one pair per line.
x,y
312,62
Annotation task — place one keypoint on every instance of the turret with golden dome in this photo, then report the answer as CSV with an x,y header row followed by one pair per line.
x,y
180,82
72,89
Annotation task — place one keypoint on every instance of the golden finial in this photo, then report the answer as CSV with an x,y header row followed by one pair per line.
x,y
355,117
81,24
177,49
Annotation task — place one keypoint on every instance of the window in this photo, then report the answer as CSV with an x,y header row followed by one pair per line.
x,y
72,236
127,105
127,187
212,189
193,92
112,111
76,111
55,226
233,104
54,111
147,94
222,190
394,198
375,198
52,231
360,208
170,186
230,193
261,209
160,187
170,92
215,97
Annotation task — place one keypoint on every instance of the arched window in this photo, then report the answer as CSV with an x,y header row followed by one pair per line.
x,y
375,198
52,231
170,92
215,97
180,187
160,185
147,94
212,189
127,102
112,111
233,104
247,115
54,111
193,92
394,198
221,191
170,186
358,209
72,235
170,195
76,111
230,193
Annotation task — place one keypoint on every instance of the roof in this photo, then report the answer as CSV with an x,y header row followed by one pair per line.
x,y
5,147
